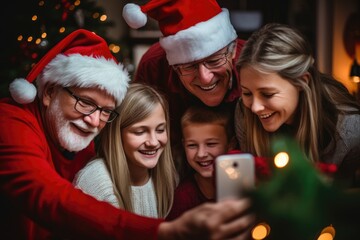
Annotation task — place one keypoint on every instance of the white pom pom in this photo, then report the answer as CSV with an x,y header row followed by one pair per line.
x,y
22,91
133,16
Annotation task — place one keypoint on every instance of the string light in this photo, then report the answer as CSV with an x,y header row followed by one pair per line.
x,y
260,231
95,15
281,159
114,48
103,18
328,233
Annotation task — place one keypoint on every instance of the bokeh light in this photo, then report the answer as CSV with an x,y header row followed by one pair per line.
x,y
281,159
260,231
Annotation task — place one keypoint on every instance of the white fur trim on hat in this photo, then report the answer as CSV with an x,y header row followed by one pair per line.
x,y
22,91
86,71
200,40
133,16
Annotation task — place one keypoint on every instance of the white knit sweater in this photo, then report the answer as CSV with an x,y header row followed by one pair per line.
x,y
94,179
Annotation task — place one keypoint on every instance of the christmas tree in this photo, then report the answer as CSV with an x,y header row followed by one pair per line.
x,y
299,203
31,28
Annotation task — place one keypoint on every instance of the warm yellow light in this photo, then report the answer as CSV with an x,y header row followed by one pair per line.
x,y
20,37
103,18
96,15
38,41
281,159
355,79
29,39
34,18
325,236
62,29
260,231
43,35
77,3
328,233
114,48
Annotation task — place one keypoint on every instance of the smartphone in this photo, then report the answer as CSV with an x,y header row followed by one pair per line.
x,y
234,173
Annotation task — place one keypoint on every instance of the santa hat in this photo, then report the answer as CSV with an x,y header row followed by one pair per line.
x,y
81,59
192,29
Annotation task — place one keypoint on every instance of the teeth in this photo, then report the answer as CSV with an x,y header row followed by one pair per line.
x,y
148,152
265,115
205,164
208,87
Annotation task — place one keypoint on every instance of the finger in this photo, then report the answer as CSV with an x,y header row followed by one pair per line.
x,y
239,228
234,209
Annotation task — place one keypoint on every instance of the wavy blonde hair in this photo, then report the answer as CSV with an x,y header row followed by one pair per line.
x,y
139,103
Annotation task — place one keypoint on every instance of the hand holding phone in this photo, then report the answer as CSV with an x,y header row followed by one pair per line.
x,y
234,173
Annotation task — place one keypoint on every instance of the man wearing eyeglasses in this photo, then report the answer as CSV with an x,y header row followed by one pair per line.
x,y
47,136
194,61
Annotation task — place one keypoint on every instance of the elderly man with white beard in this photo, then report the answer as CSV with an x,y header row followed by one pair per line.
x,y
47,132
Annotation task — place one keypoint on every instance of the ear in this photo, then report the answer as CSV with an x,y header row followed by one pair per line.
x,y
48,94
306,77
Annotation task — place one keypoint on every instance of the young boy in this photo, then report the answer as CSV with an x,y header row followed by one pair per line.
x,y
207,133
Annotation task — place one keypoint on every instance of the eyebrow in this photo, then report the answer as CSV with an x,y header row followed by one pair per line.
x,y
262,88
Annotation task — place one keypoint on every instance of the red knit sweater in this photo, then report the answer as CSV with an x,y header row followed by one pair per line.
x,y
38,200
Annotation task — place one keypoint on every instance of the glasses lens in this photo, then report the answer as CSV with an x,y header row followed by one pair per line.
x,y
109,116
85,107
187,69
215,62
211,63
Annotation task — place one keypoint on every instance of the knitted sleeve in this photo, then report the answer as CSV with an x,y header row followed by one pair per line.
x,y
94,179
38,201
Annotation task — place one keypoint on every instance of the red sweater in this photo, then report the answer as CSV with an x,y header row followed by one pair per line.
x,y
187,196
38,200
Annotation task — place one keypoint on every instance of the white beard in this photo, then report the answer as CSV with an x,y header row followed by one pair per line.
x,y
69,140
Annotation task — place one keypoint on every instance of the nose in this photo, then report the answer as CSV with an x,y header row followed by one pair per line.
x,y
152,140
93,119
202,152
257,105
204,75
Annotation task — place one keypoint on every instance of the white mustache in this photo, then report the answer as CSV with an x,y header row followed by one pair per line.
x,y
84,127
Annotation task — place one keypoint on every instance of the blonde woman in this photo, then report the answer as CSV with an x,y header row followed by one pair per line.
x,y
284,93
134,169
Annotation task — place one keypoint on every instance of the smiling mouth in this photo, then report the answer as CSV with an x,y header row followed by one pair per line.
x,y
265,116
84,131
150,152
208,88
205,163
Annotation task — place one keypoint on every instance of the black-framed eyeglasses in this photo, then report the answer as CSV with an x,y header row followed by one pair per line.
x,y
87,107
215,61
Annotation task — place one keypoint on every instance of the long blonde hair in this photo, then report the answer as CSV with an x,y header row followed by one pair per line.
x,y
138,103
280,49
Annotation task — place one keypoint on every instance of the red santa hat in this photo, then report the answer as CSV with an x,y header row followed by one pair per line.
x,y
81,59
192,29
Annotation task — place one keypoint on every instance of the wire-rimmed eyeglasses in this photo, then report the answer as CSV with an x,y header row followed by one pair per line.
x,y
87,107
215,61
